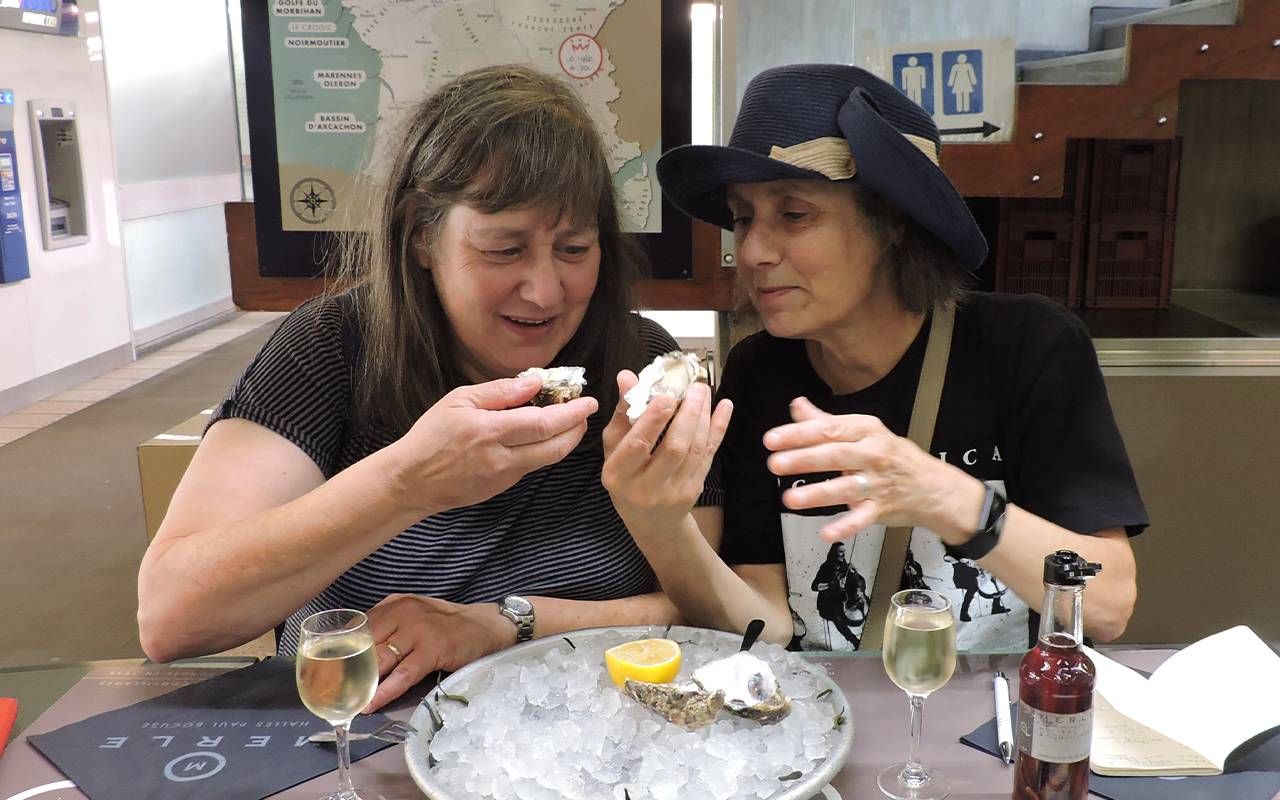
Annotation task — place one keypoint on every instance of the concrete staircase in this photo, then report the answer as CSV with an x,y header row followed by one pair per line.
x,y
1109,63
1127,88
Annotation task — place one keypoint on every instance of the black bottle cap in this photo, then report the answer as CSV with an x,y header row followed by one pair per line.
x,y
1068,568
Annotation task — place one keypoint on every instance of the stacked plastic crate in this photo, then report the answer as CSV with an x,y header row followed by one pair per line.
x,y
1132,211
1041,246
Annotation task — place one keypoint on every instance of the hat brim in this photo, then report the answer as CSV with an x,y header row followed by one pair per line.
x,y
894,168
694,177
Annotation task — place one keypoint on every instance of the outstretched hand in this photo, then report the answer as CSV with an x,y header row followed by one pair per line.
x,y
885,478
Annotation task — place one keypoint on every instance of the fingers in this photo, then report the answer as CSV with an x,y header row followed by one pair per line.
x,y
845,490
633,452
626,379
497,395
814,426
802,410
859,518
711,430
415,666
619,424
529,425
830,457
719,424
529,457
383,625
682,435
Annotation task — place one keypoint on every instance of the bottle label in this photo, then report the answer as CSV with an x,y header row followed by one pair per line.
x,y
1055,738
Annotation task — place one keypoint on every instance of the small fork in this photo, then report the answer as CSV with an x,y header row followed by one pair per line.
x,y
394,731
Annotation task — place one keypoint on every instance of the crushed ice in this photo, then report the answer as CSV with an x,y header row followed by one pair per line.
x,y
553,727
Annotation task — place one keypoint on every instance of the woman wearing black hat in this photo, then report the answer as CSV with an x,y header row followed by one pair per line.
x,y
854,248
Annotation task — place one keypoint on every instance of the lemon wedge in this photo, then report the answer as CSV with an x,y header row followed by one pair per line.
x,y
648,660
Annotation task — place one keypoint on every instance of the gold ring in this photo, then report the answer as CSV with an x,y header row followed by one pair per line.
x,y
395,650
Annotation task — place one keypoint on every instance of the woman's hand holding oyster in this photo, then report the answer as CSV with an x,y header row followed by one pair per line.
x,y
655,466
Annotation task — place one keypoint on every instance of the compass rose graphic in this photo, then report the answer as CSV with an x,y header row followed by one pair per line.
x,y
312,200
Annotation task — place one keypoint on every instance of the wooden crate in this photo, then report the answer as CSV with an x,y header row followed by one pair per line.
x,y
1041,254
1130,262
1134,176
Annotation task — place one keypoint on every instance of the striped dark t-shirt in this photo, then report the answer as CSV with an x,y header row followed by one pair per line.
x,y
555,533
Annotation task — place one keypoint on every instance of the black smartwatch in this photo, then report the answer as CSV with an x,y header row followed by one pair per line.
x,y
990,526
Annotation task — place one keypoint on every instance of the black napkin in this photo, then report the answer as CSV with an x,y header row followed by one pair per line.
x,y
242,734
1252,771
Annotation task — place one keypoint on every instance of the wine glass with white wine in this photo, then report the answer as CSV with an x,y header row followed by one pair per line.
x,y
337,673
919,656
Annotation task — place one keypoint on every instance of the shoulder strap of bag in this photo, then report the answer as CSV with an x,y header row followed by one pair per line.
x,y
893,554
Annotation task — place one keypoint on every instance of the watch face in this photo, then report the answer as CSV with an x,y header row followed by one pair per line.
x,y
518,604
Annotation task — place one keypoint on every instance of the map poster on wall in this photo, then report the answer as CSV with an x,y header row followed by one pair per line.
x,y
345,72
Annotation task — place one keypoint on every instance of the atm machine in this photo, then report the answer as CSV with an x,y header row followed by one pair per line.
x,y
55,138
13,239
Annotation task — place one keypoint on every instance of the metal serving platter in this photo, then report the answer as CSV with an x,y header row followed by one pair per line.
x,y
416,748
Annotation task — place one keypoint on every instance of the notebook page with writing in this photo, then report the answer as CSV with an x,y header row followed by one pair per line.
x,y
1195,709
1124,741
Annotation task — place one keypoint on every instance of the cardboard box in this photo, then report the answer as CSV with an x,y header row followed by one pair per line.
x,y
162,460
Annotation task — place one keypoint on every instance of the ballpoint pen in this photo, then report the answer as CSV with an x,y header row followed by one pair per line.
x,y
1004,729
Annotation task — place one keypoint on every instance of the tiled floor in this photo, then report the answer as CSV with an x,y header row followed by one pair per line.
x,y
37,415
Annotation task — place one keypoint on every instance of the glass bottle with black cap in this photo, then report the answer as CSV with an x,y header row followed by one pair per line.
x,y
1055,708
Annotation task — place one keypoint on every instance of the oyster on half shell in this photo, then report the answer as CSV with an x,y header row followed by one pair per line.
x,y
685,704
749,687
670,374
559,384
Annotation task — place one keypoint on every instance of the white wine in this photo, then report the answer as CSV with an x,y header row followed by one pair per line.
x,y
920,650
337,675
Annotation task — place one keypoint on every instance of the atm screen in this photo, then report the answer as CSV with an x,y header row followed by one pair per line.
x,y
6,98
42,16
7,181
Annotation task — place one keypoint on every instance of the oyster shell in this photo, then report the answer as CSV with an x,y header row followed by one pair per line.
x,y
685,704
559,384
749,687
670,374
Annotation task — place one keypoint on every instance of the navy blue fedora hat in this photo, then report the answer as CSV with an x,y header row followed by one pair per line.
x,y
828,122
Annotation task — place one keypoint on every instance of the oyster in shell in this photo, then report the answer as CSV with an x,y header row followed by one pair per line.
x,y
670,374
685,704
749,687
559,384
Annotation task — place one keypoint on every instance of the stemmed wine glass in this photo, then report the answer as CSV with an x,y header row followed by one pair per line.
x,y
337,673
919,656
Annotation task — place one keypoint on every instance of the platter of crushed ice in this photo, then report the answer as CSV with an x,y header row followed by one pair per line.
x,y
543,721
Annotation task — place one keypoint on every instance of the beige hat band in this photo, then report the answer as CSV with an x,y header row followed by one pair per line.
x,y
830,155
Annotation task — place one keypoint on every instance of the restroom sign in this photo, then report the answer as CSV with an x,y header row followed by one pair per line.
x,y
966,86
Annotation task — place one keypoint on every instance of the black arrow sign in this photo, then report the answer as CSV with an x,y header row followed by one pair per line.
x,y
986,130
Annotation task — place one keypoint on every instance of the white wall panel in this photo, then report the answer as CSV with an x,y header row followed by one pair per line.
x,y
74,306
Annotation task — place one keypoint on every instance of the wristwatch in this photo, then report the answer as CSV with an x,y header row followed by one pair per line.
x,y
990,526
520,612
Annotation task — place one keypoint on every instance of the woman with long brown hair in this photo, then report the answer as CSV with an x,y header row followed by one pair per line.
x,y
378,452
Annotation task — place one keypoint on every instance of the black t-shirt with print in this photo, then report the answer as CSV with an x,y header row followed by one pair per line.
x,y
1024,406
